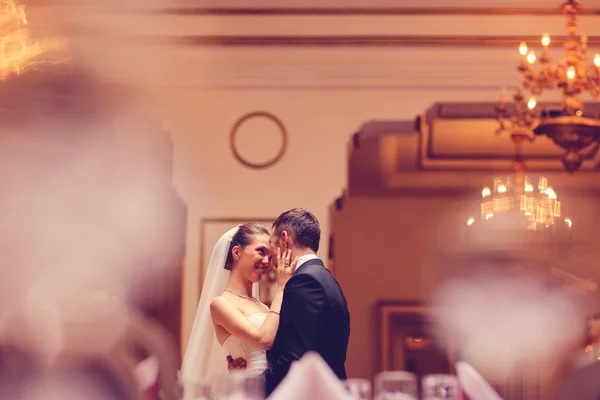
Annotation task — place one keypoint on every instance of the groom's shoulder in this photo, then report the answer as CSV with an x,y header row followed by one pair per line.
x,y
317,272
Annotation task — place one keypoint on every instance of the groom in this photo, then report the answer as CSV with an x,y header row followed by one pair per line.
x,y
314,314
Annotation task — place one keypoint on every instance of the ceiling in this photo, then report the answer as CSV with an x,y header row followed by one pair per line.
x,y
382,3
329,4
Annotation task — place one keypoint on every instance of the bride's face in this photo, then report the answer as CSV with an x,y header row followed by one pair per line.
x,y
254,262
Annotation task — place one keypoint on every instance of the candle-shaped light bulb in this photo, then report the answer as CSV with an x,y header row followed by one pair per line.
x,y
531,57
531,103
568,222
545,40
523,48
486,192
502,188
556,211
527,185
597,60
470,221
571,72
542,184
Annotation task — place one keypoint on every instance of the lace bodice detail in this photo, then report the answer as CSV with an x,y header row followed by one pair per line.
x,y
256,359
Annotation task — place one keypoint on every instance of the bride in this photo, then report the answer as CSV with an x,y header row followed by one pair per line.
x,y
230,320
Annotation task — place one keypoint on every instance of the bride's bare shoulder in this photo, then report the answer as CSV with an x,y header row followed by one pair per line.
x,y
220,302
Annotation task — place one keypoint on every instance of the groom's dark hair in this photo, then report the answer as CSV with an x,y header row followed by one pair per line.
x,y
302,225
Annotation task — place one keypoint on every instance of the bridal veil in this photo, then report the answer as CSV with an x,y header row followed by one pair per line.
x,y
204,359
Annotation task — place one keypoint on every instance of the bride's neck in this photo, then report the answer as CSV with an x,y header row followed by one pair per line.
x,y
239,285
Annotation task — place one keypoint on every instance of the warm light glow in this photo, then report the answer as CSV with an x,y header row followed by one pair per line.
x,y
542,184
531,103
523,48
568,222
571,72
588,348
597,60
17,50
531,57
545,40
539,204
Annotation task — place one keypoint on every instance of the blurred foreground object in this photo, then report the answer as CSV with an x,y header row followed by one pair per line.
x,y
93,357
518,331
88,200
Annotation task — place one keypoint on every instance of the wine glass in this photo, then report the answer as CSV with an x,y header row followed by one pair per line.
x,y
359,389
396,385
440,387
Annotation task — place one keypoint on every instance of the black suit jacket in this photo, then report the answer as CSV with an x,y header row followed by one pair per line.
x,y
314,317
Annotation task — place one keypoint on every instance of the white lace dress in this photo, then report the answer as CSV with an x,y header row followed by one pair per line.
x,y
256,359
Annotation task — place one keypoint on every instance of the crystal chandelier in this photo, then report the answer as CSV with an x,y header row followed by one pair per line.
x,y
516,201
577,134
538,208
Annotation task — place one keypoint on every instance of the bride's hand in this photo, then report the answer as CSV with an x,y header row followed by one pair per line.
x,y
284,269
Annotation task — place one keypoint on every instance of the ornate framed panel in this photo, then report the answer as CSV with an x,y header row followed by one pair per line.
x,y
405,341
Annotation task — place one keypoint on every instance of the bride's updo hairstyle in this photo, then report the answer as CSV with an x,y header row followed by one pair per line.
x,y
243,237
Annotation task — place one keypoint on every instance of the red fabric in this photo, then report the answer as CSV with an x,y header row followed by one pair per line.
x,y
152,392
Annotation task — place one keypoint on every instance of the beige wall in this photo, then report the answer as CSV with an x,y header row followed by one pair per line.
x,y
382,246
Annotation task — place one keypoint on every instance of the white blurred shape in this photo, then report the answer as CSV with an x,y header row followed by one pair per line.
x,y
473,384
505,324
146,373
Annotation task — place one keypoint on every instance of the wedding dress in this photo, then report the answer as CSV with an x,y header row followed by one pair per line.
x,y
256,359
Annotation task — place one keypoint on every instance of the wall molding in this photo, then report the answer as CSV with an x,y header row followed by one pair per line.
x,y
354,40
481,72
360,11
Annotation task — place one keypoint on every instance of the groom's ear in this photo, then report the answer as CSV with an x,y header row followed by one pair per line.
x,y
286,239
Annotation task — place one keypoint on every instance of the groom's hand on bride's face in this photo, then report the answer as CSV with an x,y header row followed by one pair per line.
x,y
237,364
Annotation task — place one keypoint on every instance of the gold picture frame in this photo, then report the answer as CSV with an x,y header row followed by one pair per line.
x,y
282,132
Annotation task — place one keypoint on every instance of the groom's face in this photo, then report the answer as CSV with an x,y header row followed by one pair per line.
x,y
276,242
273,249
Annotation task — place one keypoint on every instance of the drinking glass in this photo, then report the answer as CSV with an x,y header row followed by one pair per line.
x,y
440,387
359,389
396,385
240,386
